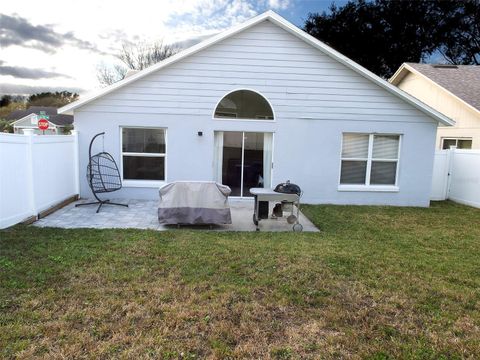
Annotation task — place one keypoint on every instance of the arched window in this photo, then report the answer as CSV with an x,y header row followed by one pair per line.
x,y
244,104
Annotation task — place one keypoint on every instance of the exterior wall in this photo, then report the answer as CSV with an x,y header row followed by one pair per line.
x,y
315,99
467,120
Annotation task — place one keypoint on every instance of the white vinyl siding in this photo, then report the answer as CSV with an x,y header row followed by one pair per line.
x,y
369,161
298,80
467,120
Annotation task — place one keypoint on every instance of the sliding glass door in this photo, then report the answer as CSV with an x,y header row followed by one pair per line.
x,y
232,161
243,160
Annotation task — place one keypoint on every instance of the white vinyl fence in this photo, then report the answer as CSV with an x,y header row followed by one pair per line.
x,y
456,176
36,173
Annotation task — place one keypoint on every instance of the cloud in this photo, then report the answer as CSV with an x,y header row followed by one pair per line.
x,y
190,23
28,73
212,15
16,30
38,45
279,4
204,16
15,89
184,44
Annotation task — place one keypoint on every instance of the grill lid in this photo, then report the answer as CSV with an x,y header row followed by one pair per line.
x,y
288,188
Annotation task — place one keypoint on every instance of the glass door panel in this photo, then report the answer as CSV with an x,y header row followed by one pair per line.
x,y
252,162
232,161
243,160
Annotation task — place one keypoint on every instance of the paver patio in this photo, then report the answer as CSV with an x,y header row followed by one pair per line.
x,y
142,214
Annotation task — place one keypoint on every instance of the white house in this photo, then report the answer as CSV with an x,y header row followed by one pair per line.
x,y
58,124
259,104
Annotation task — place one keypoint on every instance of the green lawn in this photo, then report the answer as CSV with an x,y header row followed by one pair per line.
x,y
376,283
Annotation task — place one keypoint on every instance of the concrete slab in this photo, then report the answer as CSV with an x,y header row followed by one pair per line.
x,y
142,214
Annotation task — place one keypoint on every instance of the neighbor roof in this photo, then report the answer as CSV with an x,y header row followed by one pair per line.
x,y
462,81
287,26
53,117
18,114
61,119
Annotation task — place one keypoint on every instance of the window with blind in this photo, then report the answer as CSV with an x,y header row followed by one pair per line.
x,y
369,159
143,154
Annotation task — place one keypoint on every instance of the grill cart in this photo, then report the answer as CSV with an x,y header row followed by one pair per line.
x,y
263,196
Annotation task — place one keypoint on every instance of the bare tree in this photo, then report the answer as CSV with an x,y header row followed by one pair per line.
x,y
134,57
141,56
107,75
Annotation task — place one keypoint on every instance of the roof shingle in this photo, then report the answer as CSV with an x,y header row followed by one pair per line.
x,y
462,81
53,117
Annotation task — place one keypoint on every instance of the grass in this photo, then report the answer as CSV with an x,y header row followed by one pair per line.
x,y
376,283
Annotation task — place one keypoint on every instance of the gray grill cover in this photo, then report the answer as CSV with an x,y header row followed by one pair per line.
x,y
194,202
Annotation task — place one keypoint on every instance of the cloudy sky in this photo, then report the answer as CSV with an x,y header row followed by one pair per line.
x,y
59,44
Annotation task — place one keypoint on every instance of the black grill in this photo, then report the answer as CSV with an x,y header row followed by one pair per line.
x,y
288,188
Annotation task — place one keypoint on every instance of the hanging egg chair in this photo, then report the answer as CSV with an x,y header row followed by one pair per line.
x,y
103,175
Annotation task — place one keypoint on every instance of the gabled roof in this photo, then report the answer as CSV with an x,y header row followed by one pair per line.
x,y
461,81
18,114
287,26
61,119
53,117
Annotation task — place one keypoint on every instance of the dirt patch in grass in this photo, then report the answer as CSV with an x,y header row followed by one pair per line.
x,y
376,283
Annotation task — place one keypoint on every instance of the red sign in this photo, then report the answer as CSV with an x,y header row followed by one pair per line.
x,y
43,124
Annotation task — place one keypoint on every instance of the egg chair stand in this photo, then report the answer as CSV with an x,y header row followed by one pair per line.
x,y
103,176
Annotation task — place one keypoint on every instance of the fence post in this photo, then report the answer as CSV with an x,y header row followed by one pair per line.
x,y
30,172
450,160
76,161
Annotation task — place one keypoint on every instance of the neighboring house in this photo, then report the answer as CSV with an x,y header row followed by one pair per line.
x,y
453,90
259,104
27,119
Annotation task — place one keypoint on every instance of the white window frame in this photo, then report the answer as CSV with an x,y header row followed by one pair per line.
x,y
143,183
241,119
215,178
367,186
456,141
